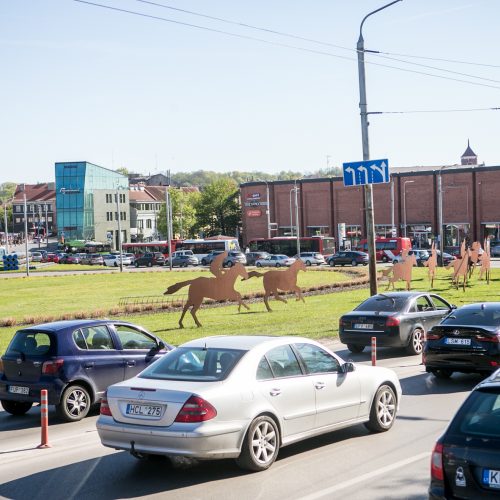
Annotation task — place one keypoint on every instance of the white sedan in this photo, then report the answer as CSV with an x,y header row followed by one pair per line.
x,y
113,260
275,261
244,397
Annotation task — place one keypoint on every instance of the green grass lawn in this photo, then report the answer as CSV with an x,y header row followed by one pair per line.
x,y
316,318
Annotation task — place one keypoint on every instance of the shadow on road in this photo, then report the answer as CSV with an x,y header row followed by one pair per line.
x,y
426,383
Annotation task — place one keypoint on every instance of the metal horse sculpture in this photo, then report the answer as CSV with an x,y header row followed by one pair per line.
x,y
402,270
474,256
221,287
460,267
486,261
281,280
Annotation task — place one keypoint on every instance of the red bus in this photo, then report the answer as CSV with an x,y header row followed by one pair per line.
x,y
394,245
287,245
150,246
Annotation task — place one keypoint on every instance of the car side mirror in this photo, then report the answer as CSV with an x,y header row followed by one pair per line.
x,y
161,345
347,367
453,307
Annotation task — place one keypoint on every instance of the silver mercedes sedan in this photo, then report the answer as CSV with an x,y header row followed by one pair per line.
x,y
244,397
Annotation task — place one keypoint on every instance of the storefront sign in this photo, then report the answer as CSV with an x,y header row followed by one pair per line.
x,y
253,196
256,204
254,213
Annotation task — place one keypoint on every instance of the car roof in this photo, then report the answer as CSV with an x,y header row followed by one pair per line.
x,y
244,342
481,305
402,294
56,326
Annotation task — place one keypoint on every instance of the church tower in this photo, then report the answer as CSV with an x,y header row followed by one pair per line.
x,y
469,157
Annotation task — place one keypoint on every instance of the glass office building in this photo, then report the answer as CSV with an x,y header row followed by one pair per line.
x,y
86,202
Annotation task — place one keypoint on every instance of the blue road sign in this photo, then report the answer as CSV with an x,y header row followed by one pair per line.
x,y
360,173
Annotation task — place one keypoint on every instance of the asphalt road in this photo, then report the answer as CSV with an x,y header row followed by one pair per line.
x,y
349,463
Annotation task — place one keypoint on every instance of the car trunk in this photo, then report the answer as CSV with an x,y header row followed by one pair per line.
x,y
462,338
366,321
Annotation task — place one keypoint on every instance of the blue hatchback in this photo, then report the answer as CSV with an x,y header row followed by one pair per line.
x,y
75,361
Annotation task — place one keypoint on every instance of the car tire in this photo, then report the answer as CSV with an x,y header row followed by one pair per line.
x,y
150,264
332,263
355,348
443,373
259,264
16,407
203,262
278,264
394,261
385,259
383,410
260,446
354,263
136,264
308,262
230,264
75,404
416,343
116,264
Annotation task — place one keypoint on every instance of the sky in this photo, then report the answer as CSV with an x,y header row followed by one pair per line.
x,y
86,83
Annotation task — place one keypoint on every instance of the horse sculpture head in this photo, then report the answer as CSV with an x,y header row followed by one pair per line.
x,y
299,265
239,270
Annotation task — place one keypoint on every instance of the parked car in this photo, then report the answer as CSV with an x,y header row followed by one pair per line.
x,y
36,257
447,258
51,257
465,462
113,260
182,260
352,258
73,258
252,257
131,256
234,257
95,259
310,258
420,255
275,261
150,259
190,402
396,319
75,360
466,341
207,260
495,250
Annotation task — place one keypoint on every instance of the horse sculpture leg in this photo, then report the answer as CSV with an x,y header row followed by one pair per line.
x,y
193,313
240,302
184,310
298,292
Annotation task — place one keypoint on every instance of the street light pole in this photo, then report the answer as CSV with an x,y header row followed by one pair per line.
x,y
119,228
291,220
404,204
6,229
368,191
268,211
26,232
297,220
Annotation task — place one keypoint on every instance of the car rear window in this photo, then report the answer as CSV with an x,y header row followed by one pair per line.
x,y
383,303
471,317
30,343
480,415
194,363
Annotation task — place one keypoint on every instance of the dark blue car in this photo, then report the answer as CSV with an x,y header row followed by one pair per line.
x,y
75,361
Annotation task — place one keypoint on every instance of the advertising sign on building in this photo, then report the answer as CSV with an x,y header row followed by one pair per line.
x,y
253,196
254,213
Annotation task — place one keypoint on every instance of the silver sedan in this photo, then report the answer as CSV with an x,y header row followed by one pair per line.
x,y
244,397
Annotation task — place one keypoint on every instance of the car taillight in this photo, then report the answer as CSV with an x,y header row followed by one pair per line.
x,y
104,409
52,367
196,409
342,323
437,462
494,338
392,321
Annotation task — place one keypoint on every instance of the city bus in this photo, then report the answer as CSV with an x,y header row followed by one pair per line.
x,y
394,245
201,248
149,247
287,245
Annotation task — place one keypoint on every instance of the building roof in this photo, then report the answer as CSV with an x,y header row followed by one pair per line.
x,y
41,192
468,152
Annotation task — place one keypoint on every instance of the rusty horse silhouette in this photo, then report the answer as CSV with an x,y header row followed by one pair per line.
x,y
220,287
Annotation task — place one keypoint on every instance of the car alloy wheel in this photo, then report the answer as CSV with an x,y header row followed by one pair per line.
x,y
75,403
308,262
383,410
278,264
332,263
416,342
259,264
261,445
354,263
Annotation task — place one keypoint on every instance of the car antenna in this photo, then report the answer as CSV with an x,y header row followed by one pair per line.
x,y
205,346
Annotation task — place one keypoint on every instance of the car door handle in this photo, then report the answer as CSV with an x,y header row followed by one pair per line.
x,y
88,365
319,385
130,363
275,392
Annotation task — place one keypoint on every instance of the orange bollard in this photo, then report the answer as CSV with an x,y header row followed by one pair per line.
x,y
44,413
374,351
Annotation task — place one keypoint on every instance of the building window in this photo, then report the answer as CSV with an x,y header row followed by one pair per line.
x,y
123,215
141,224
122,198
18,220
148,224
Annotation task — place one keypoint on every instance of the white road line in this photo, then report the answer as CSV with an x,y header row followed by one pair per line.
x,y
361,479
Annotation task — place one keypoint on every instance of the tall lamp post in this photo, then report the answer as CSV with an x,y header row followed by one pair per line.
x,y
119,227
297,227
404,205
26,231
291,217
368,191
268,211
440,213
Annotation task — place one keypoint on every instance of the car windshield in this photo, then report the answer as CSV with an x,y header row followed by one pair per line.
x,y
480,415
466,316
383,302
194,363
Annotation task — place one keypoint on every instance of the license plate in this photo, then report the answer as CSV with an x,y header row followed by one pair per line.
x,y
144,410
364,326
491,478
457,341
17,389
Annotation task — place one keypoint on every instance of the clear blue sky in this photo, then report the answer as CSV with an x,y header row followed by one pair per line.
x,y
81,82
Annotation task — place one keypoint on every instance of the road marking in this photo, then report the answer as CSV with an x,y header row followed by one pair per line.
x,y
361,479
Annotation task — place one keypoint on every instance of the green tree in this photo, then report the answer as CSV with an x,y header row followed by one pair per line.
x,y
7,190
183,214
218,209
122,170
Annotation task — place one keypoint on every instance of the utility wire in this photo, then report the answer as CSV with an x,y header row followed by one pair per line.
x,y
431,111
279,44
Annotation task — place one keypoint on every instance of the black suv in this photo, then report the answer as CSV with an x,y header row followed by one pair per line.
x,y
150,259
465,462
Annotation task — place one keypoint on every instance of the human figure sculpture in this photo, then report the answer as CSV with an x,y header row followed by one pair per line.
x,y
486,261
431,263
402,270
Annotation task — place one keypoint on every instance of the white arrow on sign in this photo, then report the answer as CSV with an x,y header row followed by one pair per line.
x,y
351,171
365,171
381,170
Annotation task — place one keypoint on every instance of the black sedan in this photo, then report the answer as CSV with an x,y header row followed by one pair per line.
x,y
466,341
466,458
351,258
396,319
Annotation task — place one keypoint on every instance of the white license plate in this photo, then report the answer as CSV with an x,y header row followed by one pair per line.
x,y
491,478
144,410
16,389
364,326
457,341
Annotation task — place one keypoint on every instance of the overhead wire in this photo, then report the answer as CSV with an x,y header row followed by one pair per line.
x,y
280,44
